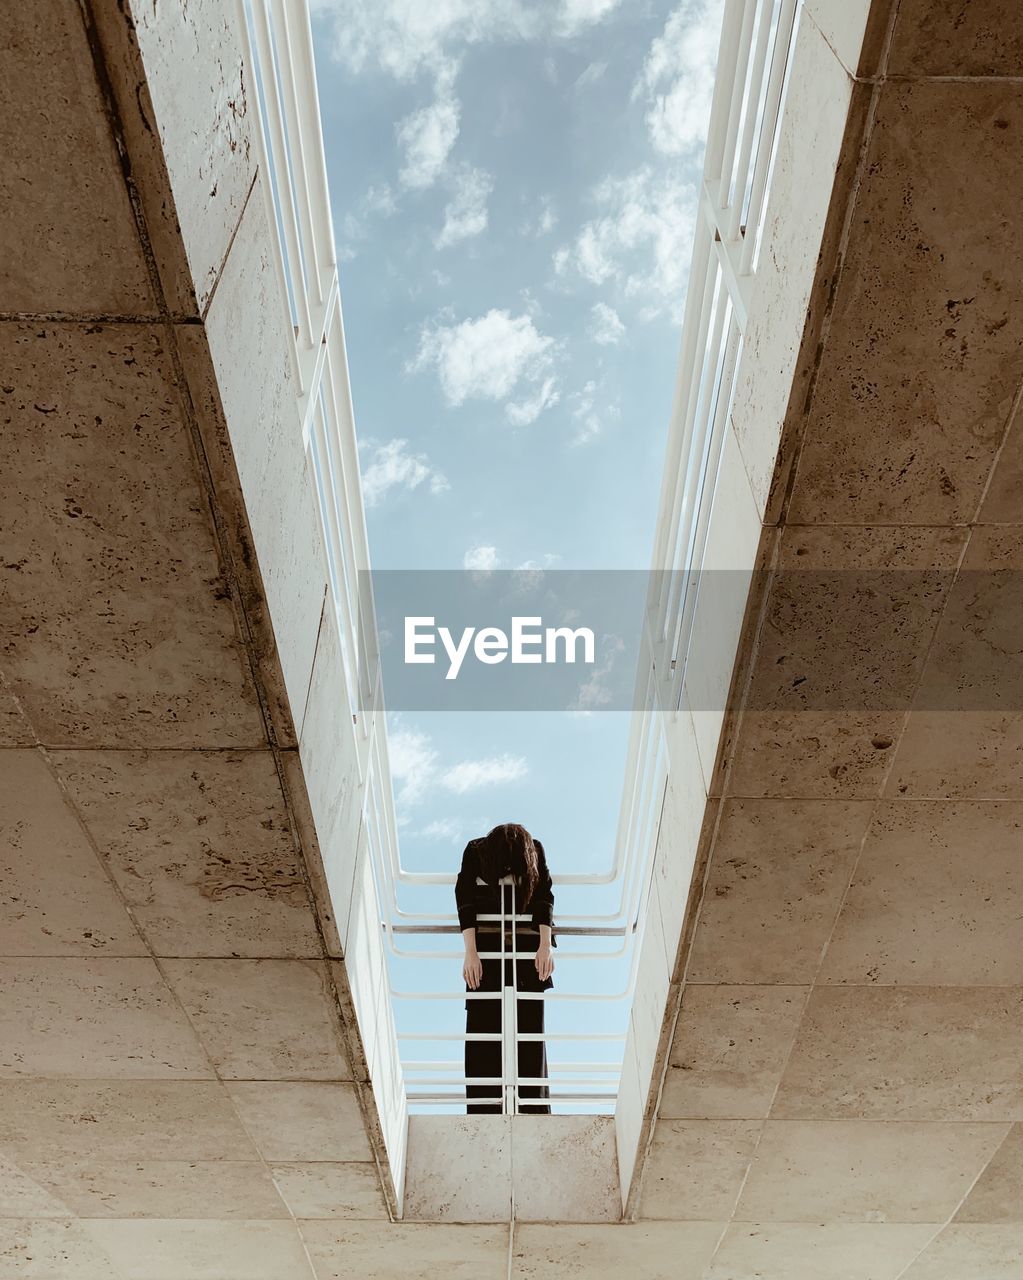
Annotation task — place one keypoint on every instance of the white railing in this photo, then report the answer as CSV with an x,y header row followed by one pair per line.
x,y
440,1083
754,53
756,43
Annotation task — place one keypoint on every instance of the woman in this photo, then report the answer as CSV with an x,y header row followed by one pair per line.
x,y
506,863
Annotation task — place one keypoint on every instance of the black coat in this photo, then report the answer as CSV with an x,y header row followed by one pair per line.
x,y
485,899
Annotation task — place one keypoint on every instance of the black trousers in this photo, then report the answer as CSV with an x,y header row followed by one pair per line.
x,y
484,1057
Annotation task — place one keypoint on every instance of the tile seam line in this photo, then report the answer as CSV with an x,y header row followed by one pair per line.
x,y
222,268
214,1076
1010,422
942,1227
96,317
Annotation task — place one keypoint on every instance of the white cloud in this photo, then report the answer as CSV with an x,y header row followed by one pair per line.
x,y
544,221
641,239
677,80
527,411
466,212
588,416
469,775
594,691
413,763
427,136
380,200
607,328
406,37
528,567
410,38
576,15
594,72
480,558
376,202
440,829
392,466
416,769
485,358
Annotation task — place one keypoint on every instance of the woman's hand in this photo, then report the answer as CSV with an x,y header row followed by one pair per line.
x,y
472,969
544,960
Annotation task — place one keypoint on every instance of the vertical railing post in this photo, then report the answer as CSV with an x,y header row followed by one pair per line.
x,y
509,1011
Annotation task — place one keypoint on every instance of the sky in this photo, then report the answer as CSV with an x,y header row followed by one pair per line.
x,y
514,186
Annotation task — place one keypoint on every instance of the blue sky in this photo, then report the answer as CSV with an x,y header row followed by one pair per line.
x,y
514,189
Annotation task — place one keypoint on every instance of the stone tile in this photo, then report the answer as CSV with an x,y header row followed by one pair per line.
x,y
582,1149
120,1120
1001,502
779,869
70,241
201,847
849,615
442,1172
982,38
52,1249
411,1250
253,393
927,286
683,833
160,1188
907,1053
57,899
313,855
695,1168
127,1024
822,102
973,674
934,899
302,1121
189,1249
823,1251
729,553
840,754
843,26
974,662
973,754
996,1196
21,1197
630,1105
207,134
864,1170
729,1049
262,1019
331,1190
330,770
974,1251
15,730
668,1250
102,491
654,992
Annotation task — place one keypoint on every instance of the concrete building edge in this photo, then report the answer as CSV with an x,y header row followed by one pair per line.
x,y
117,57
848,166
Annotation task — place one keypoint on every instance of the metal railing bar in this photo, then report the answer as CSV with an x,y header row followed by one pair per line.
x,y
750,121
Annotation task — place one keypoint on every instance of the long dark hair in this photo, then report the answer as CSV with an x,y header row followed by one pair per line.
x,y
509,847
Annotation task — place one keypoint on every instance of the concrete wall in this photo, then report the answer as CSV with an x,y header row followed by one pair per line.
x,y
237,364
814,122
